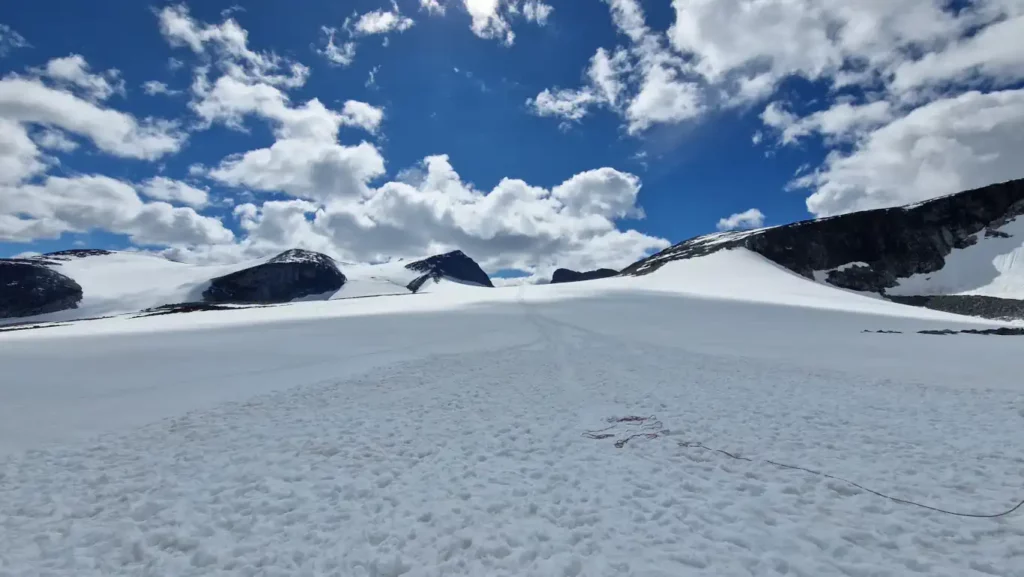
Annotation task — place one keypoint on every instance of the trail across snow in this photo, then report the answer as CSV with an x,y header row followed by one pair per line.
x,y
466,454
451,434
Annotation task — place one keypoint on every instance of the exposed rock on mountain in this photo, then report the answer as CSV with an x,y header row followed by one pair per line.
x,y
870,250
568,275
288,276
30,288
970,305
454,265
69,254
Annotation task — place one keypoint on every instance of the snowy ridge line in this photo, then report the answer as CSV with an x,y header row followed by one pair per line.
x,y
699,445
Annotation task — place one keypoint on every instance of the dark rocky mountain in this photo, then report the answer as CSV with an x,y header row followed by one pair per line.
x,y
568,275
454,265
870,250
30,288
891,243
288,276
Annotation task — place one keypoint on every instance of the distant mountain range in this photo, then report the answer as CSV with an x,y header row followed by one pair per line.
x,y
961,253
99,282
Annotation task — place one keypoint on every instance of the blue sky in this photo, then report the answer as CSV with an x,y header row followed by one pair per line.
x,y
530,134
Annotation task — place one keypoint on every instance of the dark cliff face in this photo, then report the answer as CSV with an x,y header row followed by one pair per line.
x,y
568,275
454,265
288,276
892,243
76,253
30,288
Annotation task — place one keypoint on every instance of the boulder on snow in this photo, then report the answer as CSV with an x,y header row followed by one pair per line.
x,y
867,251
29,288
568,275
454,265
288,276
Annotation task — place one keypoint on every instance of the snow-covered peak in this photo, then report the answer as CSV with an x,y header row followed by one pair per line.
x,y
970,243
297,255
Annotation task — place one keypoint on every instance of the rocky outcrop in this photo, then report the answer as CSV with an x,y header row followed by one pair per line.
x,y
969,305
76,253
884,245
181,308
453,265
29,288
288,276
568,275
1001,331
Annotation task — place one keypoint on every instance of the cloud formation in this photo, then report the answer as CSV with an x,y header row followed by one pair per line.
x,y
750,218
644,81
889,69
313,186
513,226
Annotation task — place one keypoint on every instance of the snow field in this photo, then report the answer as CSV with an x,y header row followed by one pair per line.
x,y
127,282
473,461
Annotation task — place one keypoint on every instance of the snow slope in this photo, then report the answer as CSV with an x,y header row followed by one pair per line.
x,y
449,434
743,275
732,275
123,282
388,279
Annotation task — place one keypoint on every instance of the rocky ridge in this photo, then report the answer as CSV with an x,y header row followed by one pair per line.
x,y
870,251
35,285
31,288
564,275
454,265
291,275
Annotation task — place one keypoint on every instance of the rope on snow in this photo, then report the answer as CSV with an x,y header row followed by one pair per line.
x,y
650,428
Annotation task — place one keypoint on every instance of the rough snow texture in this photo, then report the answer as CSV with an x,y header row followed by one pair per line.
x,y
568,275
966,242
452,442
474,462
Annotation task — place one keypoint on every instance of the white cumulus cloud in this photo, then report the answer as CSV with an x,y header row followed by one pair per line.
x,y
750,218
154,87
382,22
29,101
92,202
170,190
433,7
73,71
644,82
945,146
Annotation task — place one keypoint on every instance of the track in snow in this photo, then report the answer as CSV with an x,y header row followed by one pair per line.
x,y
472,462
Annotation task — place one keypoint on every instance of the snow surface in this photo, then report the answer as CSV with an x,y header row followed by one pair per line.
x,y
445,434
993,266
